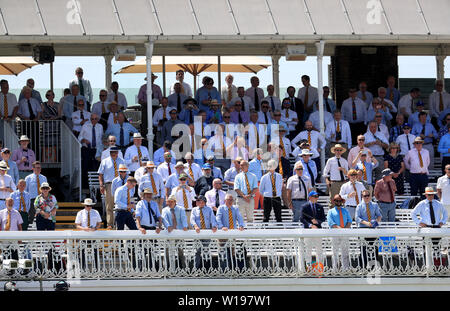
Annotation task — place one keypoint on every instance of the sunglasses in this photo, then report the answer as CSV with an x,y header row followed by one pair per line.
x,y
299,169
182,179
366,196
79,72
102,95
226,117
277,115
338,201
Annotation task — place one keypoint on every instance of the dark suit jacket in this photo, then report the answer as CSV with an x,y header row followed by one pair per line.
x,y
287,169
203,185
308,215
300,112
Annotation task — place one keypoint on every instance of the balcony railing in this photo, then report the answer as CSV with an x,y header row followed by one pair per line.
x,y
250,253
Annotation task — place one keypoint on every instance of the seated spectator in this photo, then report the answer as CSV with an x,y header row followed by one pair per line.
x,y
101,106
397,129
204,183
365,95
406,102
378,109
214,114
289,117
337,131
111,117
315,117
117,96
158,155
88,219
34,93
169,125
238,116
246,101
13,171
173,180
70,103
405,140
216,196
80,117
29,107
177,99
189,111
366,163
7,184
160,117
274,101
184,194
414,117
111,143
46,206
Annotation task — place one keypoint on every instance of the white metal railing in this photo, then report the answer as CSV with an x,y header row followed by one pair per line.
x,y
71,158
284,253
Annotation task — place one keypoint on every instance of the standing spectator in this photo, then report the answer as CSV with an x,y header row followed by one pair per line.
x,y
216,196
335,171
354,152
384,192
391,92
297,106
247,102
174,216
270,188
245,185
33,187
315,117
328,104
46,206
308,95
34,94
364,94
124,206
427,132
312,217
379,113
185,87
443,188
387,101
444,149
228,91
90,136
158,155
264,116
160,117
206,94
438,101
184,194
204,183
397,129
274,101
394,161
121,179
290,117
366,163
13,171
432,213
214,114
405,140
8,102
88,219
117,96
111,117
298,187
142,99
107,171
52,111
414,118
71,102
315,140
351,192
7,184
192,169
10,219
238,116
255,93
376,142
167,168
121,131
80,117
136,154
339,218
228,215
178,99
167,134
417,161
111,143
338,132
22,202
84,86
29,107
148,216
101,106
309,167
354,112
189,111
406,103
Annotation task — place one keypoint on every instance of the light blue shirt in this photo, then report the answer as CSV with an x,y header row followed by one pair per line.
x,y
145,216
31,181
444,145
217,172
241,184
312,165
230,174
429,129
68,105
397,95
107,168
158,156
265,187
423,210
361,213
369,97
369,169
210,114
172,181
414,118
222,217
203,93
13,171
331,103
184,115
255,167
180,216
273,124
208,216
121,197
442,115
118,182
146,182
333,217
114,129
386,115
16,197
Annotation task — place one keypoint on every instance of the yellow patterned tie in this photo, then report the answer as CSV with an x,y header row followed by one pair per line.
x,y
38,182
309,138
282,146
192,143
5,106
230,218
103,108
116,173
287,113
224,150
274,189
89,219
7,165
185,200
191,173
248,184
420,158
364,97
139,155
364,171
202,219
22,203
356,196
164,113
369,216
8,221
391,95
280,167
155,192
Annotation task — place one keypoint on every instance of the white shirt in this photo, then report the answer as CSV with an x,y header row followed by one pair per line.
x,y
406,101
297,151
86,133
402,141
186,88
190,195
163,170
211,197
82,218
76,119
139,173
12,103
6,181
262,119
390,105
248,102
298,191
313,95
224,93
131,152
86,88
412,161
347,110
158,116
121,99
106,154
443,183
383,129
347,188
289,119
261,129
315,118
196,170
433,102
331,168
346,133
376,149
317,141
276,102
97,107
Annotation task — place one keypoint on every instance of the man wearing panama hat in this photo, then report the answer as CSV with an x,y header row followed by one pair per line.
x,y
335,170
88,219
24,157
148,216
432,213
417,161
136,154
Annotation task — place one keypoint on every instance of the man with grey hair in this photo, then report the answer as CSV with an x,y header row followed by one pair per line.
x,y
101,106
229,90
298,187
245,185
216,196
84,86
386,102
270,188
192,169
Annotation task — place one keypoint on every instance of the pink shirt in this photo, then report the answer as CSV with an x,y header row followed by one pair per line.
x,y
16,219
17,157
156,91
412,161
353,153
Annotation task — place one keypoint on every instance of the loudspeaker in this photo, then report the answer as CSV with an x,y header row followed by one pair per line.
x,y
43,54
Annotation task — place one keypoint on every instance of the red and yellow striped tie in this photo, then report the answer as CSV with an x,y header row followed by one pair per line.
x,y
356,196
202,219
420,158
391,96
22,203
155,192
364,171
309,138
116,173
139,155
274,189
89,219
230,218
369,216
280,167
191,173
185,200
248,184
38,183
282,146
8,222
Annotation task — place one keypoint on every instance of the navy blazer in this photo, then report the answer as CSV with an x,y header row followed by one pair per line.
x,y
308,215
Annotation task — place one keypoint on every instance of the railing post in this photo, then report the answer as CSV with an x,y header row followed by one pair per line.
x,y
428,255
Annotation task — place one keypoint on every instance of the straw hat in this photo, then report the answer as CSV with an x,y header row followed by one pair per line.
x,y
123,168
24,138
45,185
338,146
429,190
88,201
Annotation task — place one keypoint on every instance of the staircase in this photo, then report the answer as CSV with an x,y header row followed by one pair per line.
x,y
66,214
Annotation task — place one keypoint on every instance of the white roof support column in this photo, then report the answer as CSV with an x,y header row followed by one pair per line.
x,y
219,74
164,75
276,74
148,59
440,68
108,71
320,47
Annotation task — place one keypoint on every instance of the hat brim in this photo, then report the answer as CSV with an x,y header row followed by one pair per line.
x,y
88,204
333,149
429,193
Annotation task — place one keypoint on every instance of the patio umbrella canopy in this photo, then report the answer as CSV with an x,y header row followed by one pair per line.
x,y
15,65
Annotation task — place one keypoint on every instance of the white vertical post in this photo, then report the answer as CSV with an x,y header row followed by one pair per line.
x,y
51,76
276,74
440,69
164,74
219,74
148,59
108,71
320,46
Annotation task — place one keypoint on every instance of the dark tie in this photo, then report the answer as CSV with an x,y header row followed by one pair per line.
x,y
310,174
340,172
123,182
122,138
328,105
82,115
178,102
191,120
170,171
94,139
243,103
239,118
265,117
407,140
217,199
433,218
74,103
293,103
256,100
272,103
80,83
304,187
423,130
32,115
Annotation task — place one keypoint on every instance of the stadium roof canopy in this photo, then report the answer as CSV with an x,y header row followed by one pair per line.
x,y
222,27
